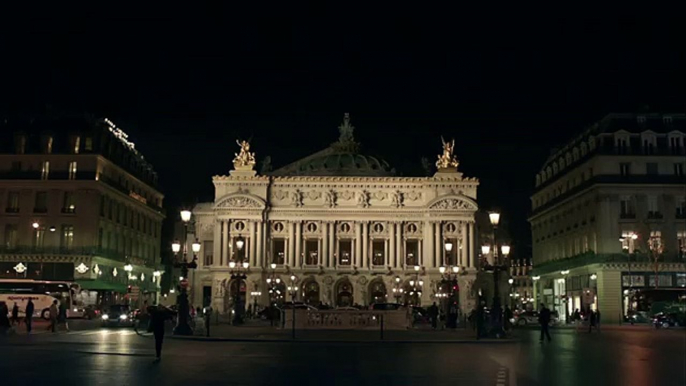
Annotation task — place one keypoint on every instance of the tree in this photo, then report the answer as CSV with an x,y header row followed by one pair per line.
x,y
651,238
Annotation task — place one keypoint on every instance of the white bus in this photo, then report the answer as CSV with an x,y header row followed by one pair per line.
x,y
43,293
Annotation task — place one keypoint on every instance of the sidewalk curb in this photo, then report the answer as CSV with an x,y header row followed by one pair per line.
x,y
338,341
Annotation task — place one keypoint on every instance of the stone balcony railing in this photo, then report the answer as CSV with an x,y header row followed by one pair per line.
x,y
593,258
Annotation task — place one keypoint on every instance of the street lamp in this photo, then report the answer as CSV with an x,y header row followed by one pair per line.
x,y
239,269
293,290
182,324
497,312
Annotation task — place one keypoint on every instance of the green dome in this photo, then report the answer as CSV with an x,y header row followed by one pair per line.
x,y
344,164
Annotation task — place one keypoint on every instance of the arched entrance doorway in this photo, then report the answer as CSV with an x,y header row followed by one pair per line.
x,y
235,301
344,293
377,292
311,292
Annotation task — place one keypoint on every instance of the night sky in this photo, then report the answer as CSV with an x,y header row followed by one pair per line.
x,y
185,86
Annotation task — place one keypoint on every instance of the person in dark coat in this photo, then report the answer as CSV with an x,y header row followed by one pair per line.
x,y
15,314
158,317
508,318
433,315
591,320
544,320
28,319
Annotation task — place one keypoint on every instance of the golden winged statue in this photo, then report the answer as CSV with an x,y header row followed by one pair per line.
x,y
244,159
447,160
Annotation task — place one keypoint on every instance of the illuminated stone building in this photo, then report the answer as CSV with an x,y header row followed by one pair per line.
x,y
609,217
78,203
340,222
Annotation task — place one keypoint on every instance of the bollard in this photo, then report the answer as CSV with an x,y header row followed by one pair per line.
x,y
293,321
381,323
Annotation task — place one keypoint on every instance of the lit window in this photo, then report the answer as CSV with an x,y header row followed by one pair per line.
x,y
655,244
45,170
628,241
38,237
681,240
69,203
72,170
67,240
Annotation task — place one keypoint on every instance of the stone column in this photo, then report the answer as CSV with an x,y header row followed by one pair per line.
x,y
439,245
291,245
428,245
391,259
324,253
259,260
217,243
462,253
332,245
472,246
358,244
365,244
298,244
253,243
225,243
400,258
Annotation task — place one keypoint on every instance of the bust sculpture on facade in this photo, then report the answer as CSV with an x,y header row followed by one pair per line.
x,y
244,160
447,160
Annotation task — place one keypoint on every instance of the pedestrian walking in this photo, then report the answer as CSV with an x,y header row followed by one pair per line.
x,y
433,315
15,314
544,320
4,320
28,318
480,322
62,316
597,319
591,320
452,316
158,317
208,316
576,319
508,318
53,312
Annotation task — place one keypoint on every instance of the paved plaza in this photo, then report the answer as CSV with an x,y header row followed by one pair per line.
x,y
90,355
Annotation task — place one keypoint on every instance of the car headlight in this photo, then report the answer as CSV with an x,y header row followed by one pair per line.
x,y
123,317
105,317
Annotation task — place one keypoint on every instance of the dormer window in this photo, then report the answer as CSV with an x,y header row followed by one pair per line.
x,y
20,144
641,119
47,144
667,119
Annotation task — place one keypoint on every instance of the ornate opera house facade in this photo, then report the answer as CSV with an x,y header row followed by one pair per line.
x,y
338,229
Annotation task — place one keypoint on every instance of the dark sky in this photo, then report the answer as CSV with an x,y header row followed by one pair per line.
x,y
185,85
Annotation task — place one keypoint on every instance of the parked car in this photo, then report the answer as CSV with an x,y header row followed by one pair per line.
x,y
666,320
91,312
117,315
530,318
346,309
385,306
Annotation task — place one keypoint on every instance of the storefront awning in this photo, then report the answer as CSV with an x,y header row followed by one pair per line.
x,y
100,285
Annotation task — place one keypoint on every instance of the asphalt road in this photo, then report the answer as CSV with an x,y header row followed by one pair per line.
x,y
91,355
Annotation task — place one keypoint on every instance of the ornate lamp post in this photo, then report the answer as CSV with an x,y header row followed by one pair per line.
x,y
273,285
238,273
449,273
416,285
397,290
497,267
293,290
182,325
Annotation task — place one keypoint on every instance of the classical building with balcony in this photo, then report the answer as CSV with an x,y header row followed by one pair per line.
x,y
339,222
608,217
78,203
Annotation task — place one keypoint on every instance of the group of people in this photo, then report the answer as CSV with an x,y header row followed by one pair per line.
x,y
7,323
590,316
